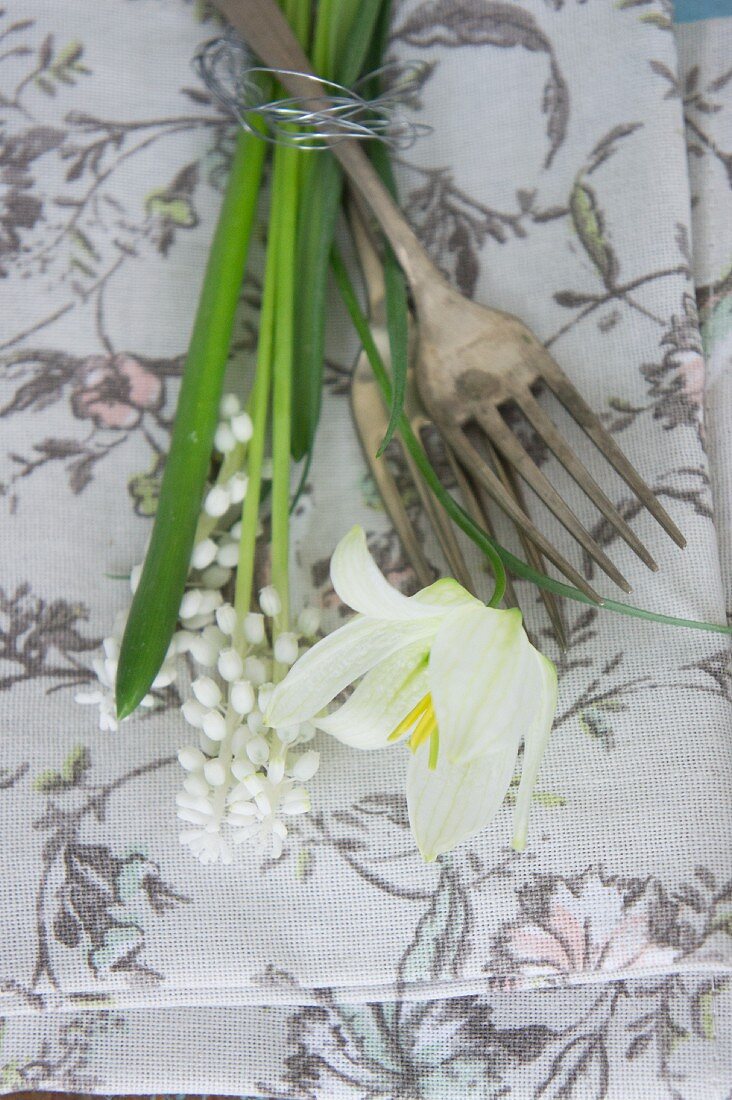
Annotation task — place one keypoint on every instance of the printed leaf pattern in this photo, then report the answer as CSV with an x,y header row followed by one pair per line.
x,y
576,976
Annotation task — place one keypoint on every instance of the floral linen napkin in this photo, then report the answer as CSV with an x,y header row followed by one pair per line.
x,y
555,184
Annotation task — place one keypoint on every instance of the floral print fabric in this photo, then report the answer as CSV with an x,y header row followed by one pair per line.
x,y
555,183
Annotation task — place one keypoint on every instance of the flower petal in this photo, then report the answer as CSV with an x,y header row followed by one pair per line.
x,y
360,584
339,659
455,800
485,685
446,594
535,742
383,698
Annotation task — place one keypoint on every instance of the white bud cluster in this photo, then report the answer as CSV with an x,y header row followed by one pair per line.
x,y
235,429
243,780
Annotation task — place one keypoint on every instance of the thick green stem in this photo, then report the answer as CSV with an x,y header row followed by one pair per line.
x,y
286,171
259,414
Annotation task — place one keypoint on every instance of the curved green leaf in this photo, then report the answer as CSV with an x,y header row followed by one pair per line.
x,y
154,610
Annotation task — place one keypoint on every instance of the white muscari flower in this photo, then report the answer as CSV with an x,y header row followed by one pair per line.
x,y
105,670
239,738
305,766
204,648
264,696
207,691
230,665
214,772
224,439
190,604
208,847
459,680
229,406
245,778
308,622
196,784
258,750
214,725
216,576
236,487
242,427
182,640
226,619
235,425
255,669
217,502
289,735
241,697
242,779
286,649
191,758
255,721
194,713
269,601
203,554
227,555
254,631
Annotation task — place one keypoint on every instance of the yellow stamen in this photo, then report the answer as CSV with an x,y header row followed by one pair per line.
x,y
415,713
424,729
434,749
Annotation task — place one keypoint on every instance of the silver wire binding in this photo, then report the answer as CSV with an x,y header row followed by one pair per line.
x,y
228,69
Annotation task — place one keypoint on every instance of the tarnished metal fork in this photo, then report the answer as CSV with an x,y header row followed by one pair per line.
x,y
371,419
472,360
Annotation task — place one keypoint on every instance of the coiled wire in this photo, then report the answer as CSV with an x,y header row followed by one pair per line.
x,y
230,72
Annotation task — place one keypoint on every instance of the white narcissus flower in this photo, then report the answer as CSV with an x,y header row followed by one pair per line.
x,y
459,680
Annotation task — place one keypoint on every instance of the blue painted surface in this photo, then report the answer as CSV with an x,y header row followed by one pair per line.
x,y
690,11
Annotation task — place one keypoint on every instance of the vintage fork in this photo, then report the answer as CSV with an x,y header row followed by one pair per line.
x,y
472,360
371,419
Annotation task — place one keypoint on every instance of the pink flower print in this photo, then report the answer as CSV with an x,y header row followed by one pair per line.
x,y
589,931
690,366
115,391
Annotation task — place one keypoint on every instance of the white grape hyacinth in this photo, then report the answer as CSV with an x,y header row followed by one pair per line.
x,y
105,669
244,780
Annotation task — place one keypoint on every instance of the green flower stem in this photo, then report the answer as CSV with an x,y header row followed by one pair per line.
x,y
154,610
320,202
322,37
259,414
286,170
484,542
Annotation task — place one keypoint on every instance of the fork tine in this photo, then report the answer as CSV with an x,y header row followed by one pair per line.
x,y
573,401
437,516
371,421
533,554
478,514
547,429
475,462
506,442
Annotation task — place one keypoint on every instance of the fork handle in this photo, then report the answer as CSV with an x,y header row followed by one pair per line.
x,y
268,34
